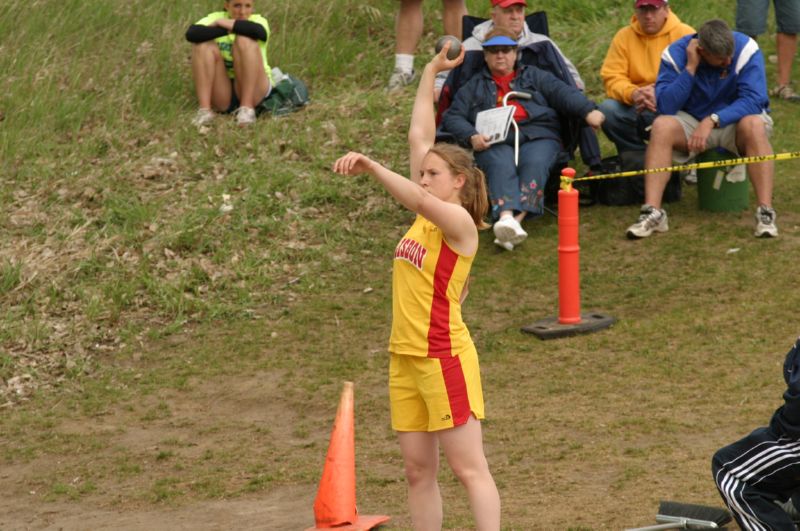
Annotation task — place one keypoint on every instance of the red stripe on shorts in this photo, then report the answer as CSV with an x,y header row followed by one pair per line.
x,y
439,330
456,386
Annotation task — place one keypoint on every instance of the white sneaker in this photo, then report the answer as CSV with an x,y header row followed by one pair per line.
x,y
690,177
765,223
245,116
651,219
508,246
508,229
400,79
203,117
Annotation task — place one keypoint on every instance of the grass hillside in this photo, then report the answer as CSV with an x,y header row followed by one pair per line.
x,y
165,361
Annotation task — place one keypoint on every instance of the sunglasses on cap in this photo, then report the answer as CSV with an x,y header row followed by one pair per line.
x,y
499,49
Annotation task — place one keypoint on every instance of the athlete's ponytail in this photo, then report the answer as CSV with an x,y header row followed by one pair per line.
x,y
473,195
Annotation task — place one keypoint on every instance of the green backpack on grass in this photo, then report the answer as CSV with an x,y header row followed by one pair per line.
x,y
288,95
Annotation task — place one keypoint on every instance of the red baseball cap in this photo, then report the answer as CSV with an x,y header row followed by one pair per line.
x,y
506,3
654,3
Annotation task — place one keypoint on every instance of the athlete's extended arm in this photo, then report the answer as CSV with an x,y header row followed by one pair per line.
x,y
453,220
422,130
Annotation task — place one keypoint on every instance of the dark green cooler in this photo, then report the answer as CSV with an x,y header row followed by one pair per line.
x,y
723,188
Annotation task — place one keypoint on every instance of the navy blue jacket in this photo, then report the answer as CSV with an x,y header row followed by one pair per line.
x,y
786,419
550,96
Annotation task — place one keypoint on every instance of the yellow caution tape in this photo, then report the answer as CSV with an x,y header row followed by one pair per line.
x,y
696,165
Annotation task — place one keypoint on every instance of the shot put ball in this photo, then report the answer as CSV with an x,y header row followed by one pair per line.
x,y
455,46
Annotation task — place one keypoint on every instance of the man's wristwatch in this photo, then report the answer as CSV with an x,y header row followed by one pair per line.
x,y
715,119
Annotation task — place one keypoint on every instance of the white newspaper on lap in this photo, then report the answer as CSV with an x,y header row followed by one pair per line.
x,y
494,123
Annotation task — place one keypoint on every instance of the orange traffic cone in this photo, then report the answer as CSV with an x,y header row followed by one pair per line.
x,y
335,506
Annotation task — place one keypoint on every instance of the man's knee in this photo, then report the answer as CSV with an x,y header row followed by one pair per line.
x,y
608,106
666,127
751,128
616,113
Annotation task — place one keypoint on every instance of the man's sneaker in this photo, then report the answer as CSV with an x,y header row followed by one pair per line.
x,y
245,116
765,223
400,79
203,117
784,92
508,229
690,177
508,246
651,219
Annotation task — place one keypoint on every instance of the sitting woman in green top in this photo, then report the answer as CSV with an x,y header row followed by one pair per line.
x,y
229,62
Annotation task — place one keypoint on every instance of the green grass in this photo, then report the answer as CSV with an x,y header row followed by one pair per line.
x,y
156,351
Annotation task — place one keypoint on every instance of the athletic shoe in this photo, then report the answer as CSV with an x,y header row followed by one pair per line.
x,y
399,80
765,223
508,246
651,219
245,116
508,229
784,92
203,117
690,177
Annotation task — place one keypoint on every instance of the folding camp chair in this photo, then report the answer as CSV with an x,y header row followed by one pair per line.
x,y
537,23
543,55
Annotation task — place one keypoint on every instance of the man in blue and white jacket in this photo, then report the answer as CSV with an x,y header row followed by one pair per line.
x,y
711,92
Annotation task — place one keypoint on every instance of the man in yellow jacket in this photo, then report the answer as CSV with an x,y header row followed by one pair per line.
x,y
630,70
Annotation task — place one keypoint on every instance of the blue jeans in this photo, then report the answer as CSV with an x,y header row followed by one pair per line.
x,y
622,126
520,189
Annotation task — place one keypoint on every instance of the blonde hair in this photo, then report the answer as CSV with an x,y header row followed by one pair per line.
x,y
473,195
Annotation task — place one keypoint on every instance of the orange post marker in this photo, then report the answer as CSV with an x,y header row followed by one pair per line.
x,y
569,283
335,505
569,321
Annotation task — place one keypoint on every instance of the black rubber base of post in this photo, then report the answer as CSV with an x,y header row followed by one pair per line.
x,y
550,328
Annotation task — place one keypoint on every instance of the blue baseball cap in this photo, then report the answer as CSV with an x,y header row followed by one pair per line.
x,y
500,40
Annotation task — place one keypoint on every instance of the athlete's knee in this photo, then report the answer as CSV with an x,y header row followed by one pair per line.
x,y
245,43
208,47
419,474
470,473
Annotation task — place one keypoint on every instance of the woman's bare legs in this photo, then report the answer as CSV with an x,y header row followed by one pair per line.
x,y
421,457
212,85
463,449
251,81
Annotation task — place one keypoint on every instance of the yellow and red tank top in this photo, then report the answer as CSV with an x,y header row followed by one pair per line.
x,y
427,280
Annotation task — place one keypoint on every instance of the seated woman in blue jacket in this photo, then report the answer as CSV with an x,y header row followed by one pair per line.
x,y
516,191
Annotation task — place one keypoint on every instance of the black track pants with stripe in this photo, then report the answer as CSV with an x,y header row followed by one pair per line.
x,y
754,472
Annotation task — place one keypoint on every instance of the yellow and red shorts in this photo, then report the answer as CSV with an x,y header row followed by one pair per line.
x,y
431,394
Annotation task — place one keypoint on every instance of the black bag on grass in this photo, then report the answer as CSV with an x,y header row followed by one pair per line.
x,y
620,191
